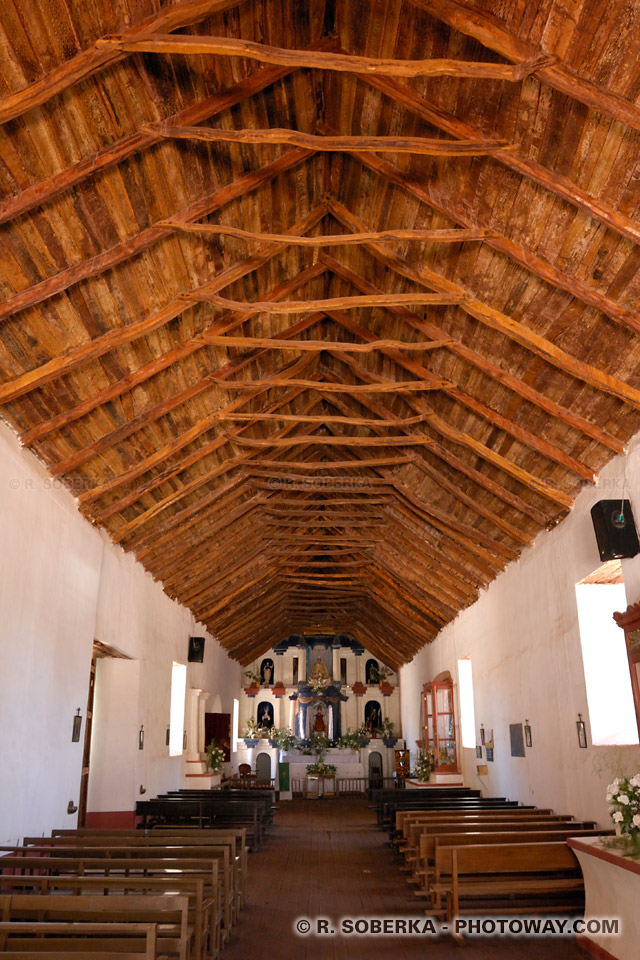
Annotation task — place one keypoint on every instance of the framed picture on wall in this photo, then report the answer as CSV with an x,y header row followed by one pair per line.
x,y
489,754
478,752
527,733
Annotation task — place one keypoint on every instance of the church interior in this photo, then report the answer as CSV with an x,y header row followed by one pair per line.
x,y
319,453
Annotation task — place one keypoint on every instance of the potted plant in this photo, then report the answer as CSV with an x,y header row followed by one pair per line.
x,y
254,683
387,733
424,766
251,734
363,736
214,756
283,738
349,740
623,796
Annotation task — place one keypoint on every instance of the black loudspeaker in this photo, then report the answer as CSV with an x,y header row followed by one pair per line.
x,y
196,649
615,530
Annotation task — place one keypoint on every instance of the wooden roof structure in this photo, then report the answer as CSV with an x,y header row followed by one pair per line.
x,y
325,310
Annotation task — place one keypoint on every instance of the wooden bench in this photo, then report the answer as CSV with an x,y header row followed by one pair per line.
x,y
175,836
430,843
86,941
204,910
167,857
171,845
169,913
37,867
206,812
411,848
508,878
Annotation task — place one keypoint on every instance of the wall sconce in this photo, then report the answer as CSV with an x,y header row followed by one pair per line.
x,y
71,808
527,733
143,789
184,740
141,738
77,725
582,731
168,738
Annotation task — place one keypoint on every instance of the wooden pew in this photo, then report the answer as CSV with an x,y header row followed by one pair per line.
x,y
174,836
412,814
87,865
160,854
514,878
169,913
431,841
205,813
204,909
172,845
86,941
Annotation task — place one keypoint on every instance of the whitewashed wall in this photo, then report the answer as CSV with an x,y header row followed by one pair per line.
x,y
62,584
522,636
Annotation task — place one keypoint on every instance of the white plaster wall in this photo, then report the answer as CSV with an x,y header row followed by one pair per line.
x,y
523,640
62,584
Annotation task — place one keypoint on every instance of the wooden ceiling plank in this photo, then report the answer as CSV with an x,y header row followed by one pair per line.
x,y
550,180
170,500
186,45
453,435
493,35
133,246
461,396
509,248
114,153
88,62
101,345
498,321
475,475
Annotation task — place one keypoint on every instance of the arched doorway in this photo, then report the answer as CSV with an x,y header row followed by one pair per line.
x,y
375,772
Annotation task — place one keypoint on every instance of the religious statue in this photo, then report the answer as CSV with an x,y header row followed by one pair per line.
x,y
319,678
318,722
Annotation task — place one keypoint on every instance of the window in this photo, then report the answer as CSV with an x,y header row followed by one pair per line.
x,y
604,655
176,721
467,711
236,721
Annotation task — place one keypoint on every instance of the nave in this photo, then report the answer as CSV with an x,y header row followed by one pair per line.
x,y
330,859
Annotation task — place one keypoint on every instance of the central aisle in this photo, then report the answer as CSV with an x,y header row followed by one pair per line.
x,y
328,858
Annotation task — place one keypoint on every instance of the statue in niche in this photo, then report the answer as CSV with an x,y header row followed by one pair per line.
x,y
266,671
318,722
319,675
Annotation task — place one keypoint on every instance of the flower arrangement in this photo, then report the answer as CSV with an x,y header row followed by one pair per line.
x,y
350,740
321,769
424,765
623,795
319,684
284,738
214,757
252,677
387,728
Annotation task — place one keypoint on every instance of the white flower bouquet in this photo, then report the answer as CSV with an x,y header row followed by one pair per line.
x,y
623,796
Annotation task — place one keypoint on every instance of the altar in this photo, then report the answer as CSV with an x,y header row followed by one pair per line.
x,y
346,762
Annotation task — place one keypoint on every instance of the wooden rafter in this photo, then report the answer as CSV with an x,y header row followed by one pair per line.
x,y
333,144
134,143
549,179
509,248
493,35
332,239
231,47
135,245
88,62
